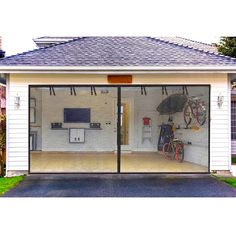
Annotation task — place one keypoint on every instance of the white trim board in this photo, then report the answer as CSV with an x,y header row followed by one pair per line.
x,y
117,69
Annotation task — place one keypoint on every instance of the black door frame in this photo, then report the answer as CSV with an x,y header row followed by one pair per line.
x,y
119,90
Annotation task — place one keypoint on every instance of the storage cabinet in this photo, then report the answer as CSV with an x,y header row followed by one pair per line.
x,y
33,140
76,135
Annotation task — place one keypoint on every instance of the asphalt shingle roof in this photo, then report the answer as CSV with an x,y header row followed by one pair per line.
x,y
190,43
50,40
118,51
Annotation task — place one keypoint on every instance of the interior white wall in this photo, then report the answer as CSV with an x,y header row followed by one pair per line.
x,y
145,106
37,94
197,152
103,111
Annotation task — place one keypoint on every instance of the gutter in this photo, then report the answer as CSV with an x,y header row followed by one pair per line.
x,y
115,69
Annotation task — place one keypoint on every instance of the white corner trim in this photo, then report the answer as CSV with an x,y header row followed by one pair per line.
x,y
229,120
7,124
233,170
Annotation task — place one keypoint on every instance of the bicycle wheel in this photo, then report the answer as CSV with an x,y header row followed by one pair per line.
x,y
201,114
180,148
187,114
168,151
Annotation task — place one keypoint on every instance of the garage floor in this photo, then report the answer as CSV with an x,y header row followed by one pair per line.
x,y
107,162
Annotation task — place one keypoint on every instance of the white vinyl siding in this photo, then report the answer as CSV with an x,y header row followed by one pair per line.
x,y
17,128
220,128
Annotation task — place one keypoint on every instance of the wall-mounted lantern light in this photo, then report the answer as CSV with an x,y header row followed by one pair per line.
x,y
233,84
17,101
220,100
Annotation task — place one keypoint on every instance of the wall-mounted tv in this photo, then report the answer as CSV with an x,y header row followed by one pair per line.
x,y
76,115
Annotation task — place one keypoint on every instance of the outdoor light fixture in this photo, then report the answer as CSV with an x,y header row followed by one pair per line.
x,y
233,84
220,100
17,101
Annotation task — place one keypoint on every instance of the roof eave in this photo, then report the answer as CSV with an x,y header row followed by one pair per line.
x,y
116,69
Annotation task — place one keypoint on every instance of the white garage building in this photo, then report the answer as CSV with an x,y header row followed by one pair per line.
x,y
111,104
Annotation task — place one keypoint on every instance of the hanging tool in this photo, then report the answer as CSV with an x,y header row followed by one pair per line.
x,y
72,91
185,90
143,90
164,90
52,91
93,91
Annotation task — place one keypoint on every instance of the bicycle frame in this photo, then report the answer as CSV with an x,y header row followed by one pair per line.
x,y
176,149
174,145
196,108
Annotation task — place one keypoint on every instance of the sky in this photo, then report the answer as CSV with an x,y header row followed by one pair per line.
x,y
201,20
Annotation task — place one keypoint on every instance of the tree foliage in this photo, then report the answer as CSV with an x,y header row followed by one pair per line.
x,y
227,46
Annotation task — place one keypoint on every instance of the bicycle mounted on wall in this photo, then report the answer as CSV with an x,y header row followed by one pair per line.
x,y
193,108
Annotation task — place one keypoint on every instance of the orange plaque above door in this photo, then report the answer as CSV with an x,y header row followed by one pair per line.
x,y
119,79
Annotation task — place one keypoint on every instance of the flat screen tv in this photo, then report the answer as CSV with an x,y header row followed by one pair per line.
x,y
76,115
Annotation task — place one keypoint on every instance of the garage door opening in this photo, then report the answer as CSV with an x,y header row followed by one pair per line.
x,y
119,129
168,129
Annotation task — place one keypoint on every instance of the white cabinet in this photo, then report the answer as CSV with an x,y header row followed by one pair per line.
x,y
76,135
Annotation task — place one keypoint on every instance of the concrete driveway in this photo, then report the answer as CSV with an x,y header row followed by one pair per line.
x,y
121,186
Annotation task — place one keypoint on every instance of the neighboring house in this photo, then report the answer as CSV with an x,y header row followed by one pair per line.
x,y
92,105
48,41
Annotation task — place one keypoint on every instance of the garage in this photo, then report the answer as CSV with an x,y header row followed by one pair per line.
x,y
118,105
119,129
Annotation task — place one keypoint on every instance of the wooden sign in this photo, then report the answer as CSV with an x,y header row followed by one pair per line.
x,y
119,79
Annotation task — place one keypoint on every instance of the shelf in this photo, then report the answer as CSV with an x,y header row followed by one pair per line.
x,y
76,128
93,128
59,128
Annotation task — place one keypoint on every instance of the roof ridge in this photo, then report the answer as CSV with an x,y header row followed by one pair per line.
x,y
45,37
41,49
193,48
195,41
